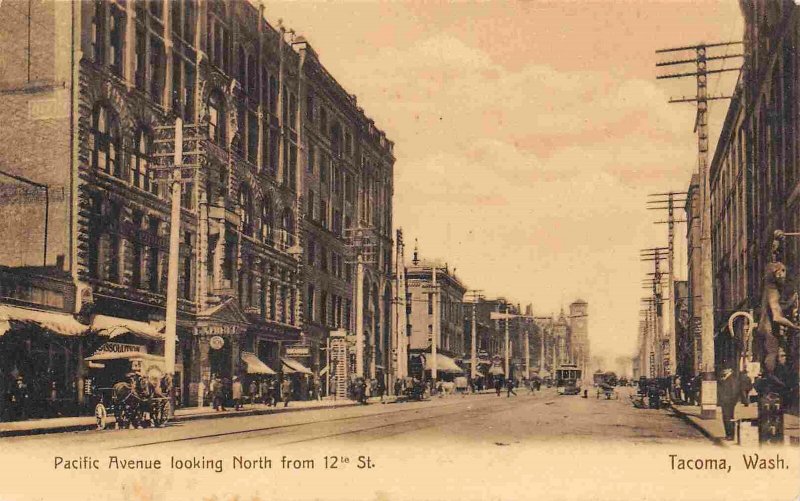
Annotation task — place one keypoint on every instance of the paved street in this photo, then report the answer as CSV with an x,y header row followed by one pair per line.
x,y
481,419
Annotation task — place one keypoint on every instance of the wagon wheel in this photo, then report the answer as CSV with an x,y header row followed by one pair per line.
x,y
100,416
134,415
157,413
162,412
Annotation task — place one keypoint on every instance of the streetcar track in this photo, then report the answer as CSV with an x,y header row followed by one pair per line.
x,y
278,427
388,425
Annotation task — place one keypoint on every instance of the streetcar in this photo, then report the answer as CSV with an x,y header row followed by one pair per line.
x,y
568,379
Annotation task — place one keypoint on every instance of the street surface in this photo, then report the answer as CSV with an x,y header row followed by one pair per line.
x,y
477,419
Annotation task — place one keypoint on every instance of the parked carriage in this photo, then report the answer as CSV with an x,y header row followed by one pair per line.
x,y
132,387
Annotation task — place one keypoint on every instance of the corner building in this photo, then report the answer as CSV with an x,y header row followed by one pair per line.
x,y
279,162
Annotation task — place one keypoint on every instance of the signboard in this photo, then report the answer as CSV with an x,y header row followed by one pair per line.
x,y
120,348
338,333
216,342
298,351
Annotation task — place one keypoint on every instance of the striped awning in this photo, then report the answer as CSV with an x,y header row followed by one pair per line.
x,y
57,322
254,365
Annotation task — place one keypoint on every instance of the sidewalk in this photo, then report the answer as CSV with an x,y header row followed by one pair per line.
x,y
65,424
714,431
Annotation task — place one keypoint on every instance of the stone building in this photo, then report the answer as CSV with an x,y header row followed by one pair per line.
x,y
579,334
276,155
755,171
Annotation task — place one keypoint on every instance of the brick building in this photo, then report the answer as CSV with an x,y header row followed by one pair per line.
x,y
279,160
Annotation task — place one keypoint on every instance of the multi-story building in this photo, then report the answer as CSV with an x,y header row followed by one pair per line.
x,y
755,171
692,208
435,316
579,333
276,155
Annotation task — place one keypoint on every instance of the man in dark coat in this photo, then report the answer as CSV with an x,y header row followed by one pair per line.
x,y
745,385
728,391
510,387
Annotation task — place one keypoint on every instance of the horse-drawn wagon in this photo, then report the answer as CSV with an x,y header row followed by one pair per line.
x,y
141,398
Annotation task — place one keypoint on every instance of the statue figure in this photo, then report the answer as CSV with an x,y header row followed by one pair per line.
x,y
769,333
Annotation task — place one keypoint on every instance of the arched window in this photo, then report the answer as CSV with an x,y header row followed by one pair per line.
x,y
246,203
142,176
216,118
266,221
106,142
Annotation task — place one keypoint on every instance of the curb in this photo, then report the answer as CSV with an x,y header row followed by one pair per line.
x,y
176,419
715,440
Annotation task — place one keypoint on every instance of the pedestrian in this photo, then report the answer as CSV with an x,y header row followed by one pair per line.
x,y
263,391
381,389
439,389
237,393
745,385
317,390
727,387
498,385
217,394
363,391
286,391
274,392
253,391
510,387
19,400
398,387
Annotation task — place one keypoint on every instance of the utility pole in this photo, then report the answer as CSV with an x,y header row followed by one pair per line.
x,y
400,338
361,245
667,201
656,255
708,404
476,297
435,335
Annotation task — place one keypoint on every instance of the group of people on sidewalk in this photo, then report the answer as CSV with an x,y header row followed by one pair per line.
x,y
269,392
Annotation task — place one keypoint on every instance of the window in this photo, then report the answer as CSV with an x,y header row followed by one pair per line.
x,y
143,176
246,203
252,137
186,268
430,303
312,253
107,143
290,165
274,150
323,120
312,155
141,58
138,251
242,76
266,221
310,205
323,303
287,228
310,107
188,92
188,20
323,209
156,8
252,78
310,303
153,275
273,95
157,73
99,32
117,19
273,300
216,118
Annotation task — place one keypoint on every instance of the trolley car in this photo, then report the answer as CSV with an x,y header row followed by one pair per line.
x,y
568,379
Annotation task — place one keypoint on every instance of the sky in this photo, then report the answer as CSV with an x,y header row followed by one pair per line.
x,y
528,135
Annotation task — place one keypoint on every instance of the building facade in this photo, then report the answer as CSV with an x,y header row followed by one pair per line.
x,y
579,333
279,163
436,316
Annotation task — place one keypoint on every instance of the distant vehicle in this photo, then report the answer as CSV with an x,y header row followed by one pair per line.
x,y
598,378
568,379
623,381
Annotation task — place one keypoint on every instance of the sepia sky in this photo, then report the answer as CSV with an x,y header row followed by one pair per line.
x,y
528,134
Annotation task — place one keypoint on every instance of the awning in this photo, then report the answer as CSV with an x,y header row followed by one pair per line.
x,y
113,326
496,370
443,364
255,365
60,323
323,371
127,355
290,366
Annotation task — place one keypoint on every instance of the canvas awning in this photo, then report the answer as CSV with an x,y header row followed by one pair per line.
x,y
291,366
496,370
126,355
443,364
254,365
112,327
60,323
